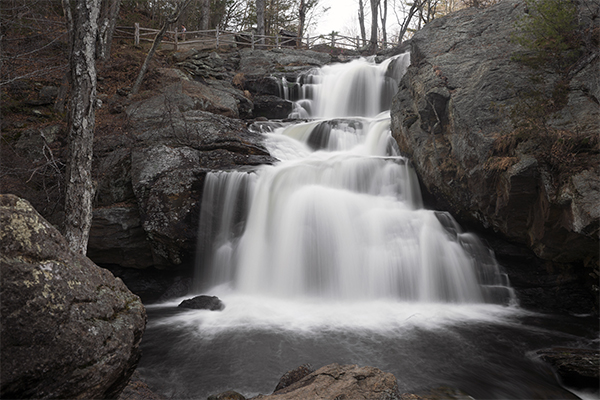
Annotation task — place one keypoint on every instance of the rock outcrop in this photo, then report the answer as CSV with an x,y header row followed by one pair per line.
x,y
150,181
336,381
452,117
69,328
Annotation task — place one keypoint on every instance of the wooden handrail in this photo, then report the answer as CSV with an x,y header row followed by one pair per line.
x,y
218,37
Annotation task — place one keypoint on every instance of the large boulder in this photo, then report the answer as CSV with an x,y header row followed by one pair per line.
x,y
336,381
451,115
69,328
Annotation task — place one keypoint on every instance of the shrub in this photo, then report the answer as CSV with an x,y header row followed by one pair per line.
x,y
550,32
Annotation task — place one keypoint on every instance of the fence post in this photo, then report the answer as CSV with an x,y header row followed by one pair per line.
x,y
176,39
217,36
277,41
332,39
136,40
252,39
357,43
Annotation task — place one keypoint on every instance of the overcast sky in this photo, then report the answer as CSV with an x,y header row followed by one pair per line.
x,y
343,18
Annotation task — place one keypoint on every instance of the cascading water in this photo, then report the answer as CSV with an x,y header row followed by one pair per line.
x,y
340,216
329,256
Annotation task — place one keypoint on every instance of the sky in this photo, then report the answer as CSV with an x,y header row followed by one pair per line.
x,y
343,18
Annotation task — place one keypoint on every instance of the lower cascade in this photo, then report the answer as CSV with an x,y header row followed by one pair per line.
x,y
328,256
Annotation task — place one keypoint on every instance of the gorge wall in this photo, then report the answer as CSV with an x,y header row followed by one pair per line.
x,y
454,116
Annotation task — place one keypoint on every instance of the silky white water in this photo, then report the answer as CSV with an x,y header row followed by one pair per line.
x,y
340,216
328,256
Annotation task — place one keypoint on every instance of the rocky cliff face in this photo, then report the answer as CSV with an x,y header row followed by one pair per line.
x,y
69,328
452,116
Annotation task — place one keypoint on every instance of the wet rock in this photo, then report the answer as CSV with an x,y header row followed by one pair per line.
x,y
336,381
577,368
294,376
228,395
212,303
69,328
259,85
137,389
272,107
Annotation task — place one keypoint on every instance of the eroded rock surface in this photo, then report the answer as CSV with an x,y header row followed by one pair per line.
x,y
69,328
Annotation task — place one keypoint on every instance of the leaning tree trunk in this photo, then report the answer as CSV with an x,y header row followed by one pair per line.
x,y
109,12
82,24
171,19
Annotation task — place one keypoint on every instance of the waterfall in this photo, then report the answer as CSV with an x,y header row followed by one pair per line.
x,y
340,216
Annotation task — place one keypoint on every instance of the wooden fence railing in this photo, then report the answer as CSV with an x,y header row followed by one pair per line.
x,y
217,37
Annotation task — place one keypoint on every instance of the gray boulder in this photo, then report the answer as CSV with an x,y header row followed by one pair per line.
x,y
451,116
336,381
69,328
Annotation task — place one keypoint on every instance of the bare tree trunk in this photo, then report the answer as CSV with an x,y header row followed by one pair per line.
x,y
361,21
301,20
82,25
205,17
384,20
374,18
109,13
171,19
260,19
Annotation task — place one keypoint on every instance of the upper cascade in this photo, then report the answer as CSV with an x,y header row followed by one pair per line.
x,y
358,88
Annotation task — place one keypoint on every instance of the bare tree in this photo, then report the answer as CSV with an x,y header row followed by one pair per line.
x,y
301,19
361,21
374,27
260,19
205,15
170,20
408,16
383,19
82,25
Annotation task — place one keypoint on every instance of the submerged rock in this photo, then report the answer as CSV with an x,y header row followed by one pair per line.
x,y
69,328
212,303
